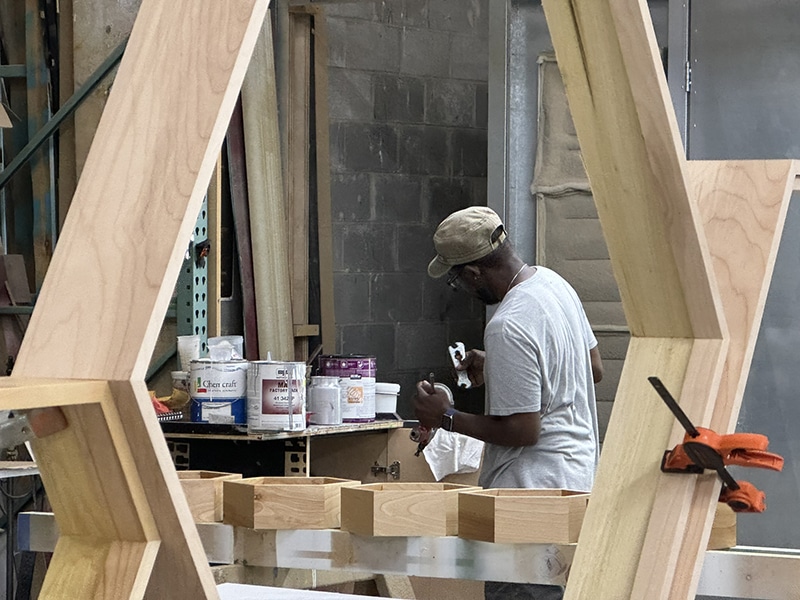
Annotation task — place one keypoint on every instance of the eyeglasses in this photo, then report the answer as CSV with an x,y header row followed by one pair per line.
x,y
452,279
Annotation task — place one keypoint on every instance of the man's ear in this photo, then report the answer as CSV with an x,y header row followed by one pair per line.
x,y
471,272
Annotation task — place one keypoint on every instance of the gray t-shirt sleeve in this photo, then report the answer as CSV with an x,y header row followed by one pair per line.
x,y
515,384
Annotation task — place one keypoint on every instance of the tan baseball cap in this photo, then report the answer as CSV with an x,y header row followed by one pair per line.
x,y
464,236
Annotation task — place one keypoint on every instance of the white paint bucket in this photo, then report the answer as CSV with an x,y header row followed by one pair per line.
x,y
276,395
218,391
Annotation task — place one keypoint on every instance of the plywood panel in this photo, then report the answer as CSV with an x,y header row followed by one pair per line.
x,y
743,206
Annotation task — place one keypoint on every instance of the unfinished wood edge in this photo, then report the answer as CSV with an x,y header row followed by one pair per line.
x,y
83,567
675,494
215,255
22,393
127,462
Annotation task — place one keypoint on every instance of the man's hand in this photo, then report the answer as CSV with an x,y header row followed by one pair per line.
x,y
472,363
429,404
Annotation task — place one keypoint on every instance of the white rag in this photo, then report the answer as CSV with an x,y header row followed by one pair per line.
x,y
449,452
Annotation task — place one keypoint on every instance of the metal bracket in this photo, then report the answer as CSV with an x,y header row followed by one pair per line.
x,y
393,470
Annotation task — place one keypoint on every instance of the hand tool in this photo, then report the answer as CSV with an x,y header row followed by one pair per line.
x,y
457,354
704,449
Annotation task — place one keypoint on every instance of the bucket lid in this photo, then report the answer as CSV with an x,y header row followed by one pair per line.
x,y
387,388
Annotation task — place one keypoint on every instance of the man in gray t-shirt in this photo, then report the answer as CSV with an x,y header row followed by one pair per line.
x,y
540,364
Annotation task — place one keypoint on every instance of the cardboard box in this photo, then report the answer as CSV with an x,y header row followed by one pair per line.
x,y
203,490
402,509
284,502
509,516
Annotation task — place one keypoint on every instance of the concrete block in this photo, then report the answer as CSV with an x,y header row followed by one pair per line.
x,y
351,298
470,57
606,390
338,246
459,15
480,191
414,347
482,106
406,13
349,95
470,330
350,196
398,98
396,297
605,313
425,52
336,147
423,150
415,247
397,198
372,46
442,303
370,147
368,247
445,195
366,11
450,102
469,152
337,41
376,340
613,346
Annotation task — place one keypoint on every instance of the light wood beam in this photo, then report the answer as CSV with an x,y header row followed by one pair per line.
x,y
106,293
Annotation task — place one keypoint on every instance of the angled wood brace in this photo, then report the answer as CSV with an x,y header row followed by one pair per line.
x,y
692,247
126,527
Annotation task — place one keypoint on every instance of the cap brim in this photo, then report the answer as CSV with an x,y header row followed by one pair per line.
x,y
438,268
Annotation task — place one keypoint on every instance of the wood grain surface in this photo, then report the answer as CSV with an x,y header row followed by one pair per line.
x,y
107,291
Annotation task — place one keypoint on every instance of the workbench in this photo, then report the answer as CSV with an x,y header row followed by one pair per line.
x,y
230,448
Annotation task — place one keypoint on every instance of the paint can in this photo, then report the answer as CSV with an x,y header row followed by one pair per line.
x,y
276,396
218,391
357,384
324,401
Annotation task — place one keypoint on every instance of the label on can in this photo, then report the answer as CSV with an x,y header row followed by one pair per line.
x,y
217,390
358,398
276,395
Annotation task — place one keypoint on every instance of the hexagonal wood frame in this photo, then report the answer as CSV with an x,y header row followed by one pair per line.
x,y
691,244
126,529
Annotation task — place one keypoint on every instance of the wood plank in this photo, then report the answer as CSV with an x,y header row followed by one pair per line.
x,y
42,199
237,171
154,156
298,169
629,139
743,206
214,259
67,176
268,225
614,80
324,211
82,568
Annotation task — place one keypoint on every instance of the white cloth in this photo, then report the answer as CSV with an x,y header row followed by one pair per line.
x,y
448,453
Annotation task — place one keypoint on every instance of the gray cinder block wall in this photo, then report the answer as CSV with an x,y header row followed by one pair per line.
x,y
408,109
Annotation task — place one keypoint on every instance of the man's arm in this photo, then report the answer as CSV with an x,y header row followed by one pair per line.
x,y
597,364
521,429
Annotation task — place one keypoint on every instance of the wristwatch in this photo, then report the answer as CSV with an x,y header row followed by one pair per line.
x,y
447,419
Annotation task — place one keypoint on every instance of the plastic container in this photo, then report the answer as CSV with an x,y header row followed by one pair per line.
x,y
386,397
324,401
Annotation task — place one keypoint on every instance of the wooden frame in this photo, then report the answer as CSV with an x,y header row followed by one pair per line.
x,y
126,527
675,235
